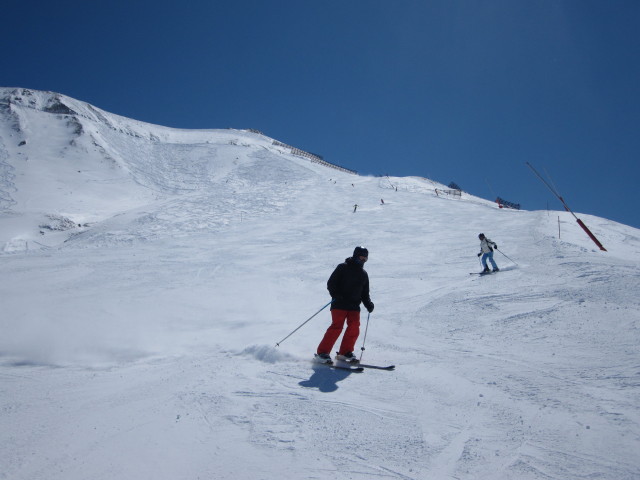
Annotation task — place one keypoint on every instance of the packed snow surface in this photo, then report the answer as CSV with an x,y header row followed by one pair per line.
x,y
147,273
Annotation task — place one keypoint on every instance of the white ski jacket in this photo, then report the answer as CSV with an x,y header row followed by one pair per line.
x,y
487,245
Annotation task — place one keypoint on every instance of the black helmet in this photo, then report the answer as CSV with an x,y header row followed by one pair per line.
x,y
360,252
481,236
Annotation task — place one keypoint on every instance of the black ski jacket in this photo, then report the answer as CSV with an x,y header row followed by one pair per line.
x,y
348,285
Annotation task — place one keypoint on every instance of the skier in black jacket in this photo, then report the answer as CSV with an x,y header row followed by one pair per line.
x,y
348,286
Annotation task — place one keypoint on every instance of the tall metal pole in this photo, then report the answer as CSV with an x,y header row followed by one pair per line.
x,y
566,207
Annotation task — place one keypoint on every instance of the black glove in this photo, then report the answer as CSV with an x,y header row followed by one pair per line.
x,y
495,246
480,254
369,307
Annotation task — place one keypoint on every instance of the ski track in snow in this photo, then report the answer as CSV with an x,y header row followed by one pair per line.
x,y
141,343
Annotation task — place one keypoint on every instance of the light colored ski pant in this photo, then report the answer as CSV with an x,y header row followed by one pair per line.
x,y
488,255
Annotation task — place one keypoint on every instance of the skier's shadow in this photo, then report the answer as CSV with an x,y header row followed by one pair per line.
x,y
325,379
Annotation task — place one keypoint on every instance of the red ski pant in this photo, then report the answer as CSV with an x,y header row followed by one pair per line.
x,y
338,318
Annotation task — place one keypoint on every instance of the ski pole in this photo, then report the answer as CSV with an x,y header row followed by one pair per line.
x,y
507,257
365,336
301,325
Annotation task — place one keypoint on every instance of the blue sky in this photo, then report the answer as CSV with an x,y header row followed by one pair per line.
x,y
463,91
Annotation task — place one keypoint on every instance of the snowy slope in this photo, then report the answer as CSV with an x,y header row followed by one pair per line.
x,y
147,274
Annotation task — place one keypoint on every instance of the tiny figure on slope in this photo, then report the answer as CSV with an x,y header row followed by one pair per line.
x,y
348,286
486,250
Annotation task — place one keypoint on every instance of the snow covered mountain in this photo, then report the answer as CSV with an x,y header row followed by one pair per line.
x,y
146,274
67,164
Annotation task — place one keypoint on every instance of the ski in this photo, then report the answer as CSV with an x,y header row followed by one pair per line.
x,y
481,274
339,367
377,367
365,365
342,367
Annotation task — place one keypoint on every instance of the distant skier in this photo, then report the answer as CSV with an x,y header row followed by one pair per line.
x,y
348,286
486,250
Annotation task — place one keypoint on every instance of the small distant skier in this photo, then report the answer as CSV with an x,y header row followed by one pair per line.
x,y
486,250
348,286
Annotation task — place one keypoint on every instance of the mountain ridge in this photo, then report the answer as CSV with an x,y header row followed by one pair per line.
x,y
52,143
